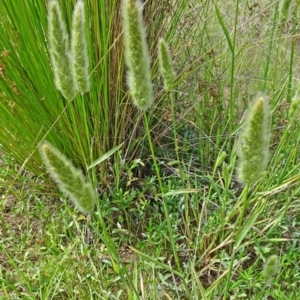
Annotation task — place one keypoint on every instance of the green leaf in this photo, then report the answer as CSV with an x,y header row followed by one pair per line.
x,y
225,30
249,224
104,156
180,192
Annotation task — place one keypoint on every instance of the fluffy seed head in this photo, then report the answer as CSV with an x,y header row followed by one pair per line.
x,y
61,59
166,65
79,48
271,267
70,180
136,54
295,107
253,148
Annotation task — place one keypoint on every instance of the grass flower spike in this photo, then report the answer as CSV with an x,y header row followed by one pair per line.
x,y
136,54
253,146
295,107
166,65
271,267
69,180
79,48
60,52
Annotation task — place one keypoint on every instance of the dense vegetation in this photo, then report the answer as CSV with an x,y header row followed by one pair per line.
x,y
176,214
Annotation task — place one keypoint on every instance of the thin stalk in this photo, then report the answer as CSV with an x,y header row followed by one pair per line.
x,y
232,73
266,72
245,201
165,207
174,128
294,30
75,119
231,45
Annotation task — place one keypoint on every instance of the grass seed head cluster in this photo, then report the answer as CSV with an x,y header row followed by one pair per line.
x,y
59,49
70,66
271,267
79,49
136,54
253,148
70,180
166,65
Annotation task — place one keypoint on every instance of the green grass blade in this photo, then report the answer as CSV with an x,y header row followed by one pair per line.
x,y
250,221
105,156
225,30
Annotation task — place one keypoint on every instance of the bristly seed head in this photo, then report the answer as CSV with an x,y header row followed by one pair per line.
x,y
79,49
166,65
60,54
136,54
253,148
70,180
294,107
271,267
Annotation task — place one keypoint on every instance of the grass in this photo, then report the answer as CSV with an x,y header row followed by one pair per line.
x,y
183,239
